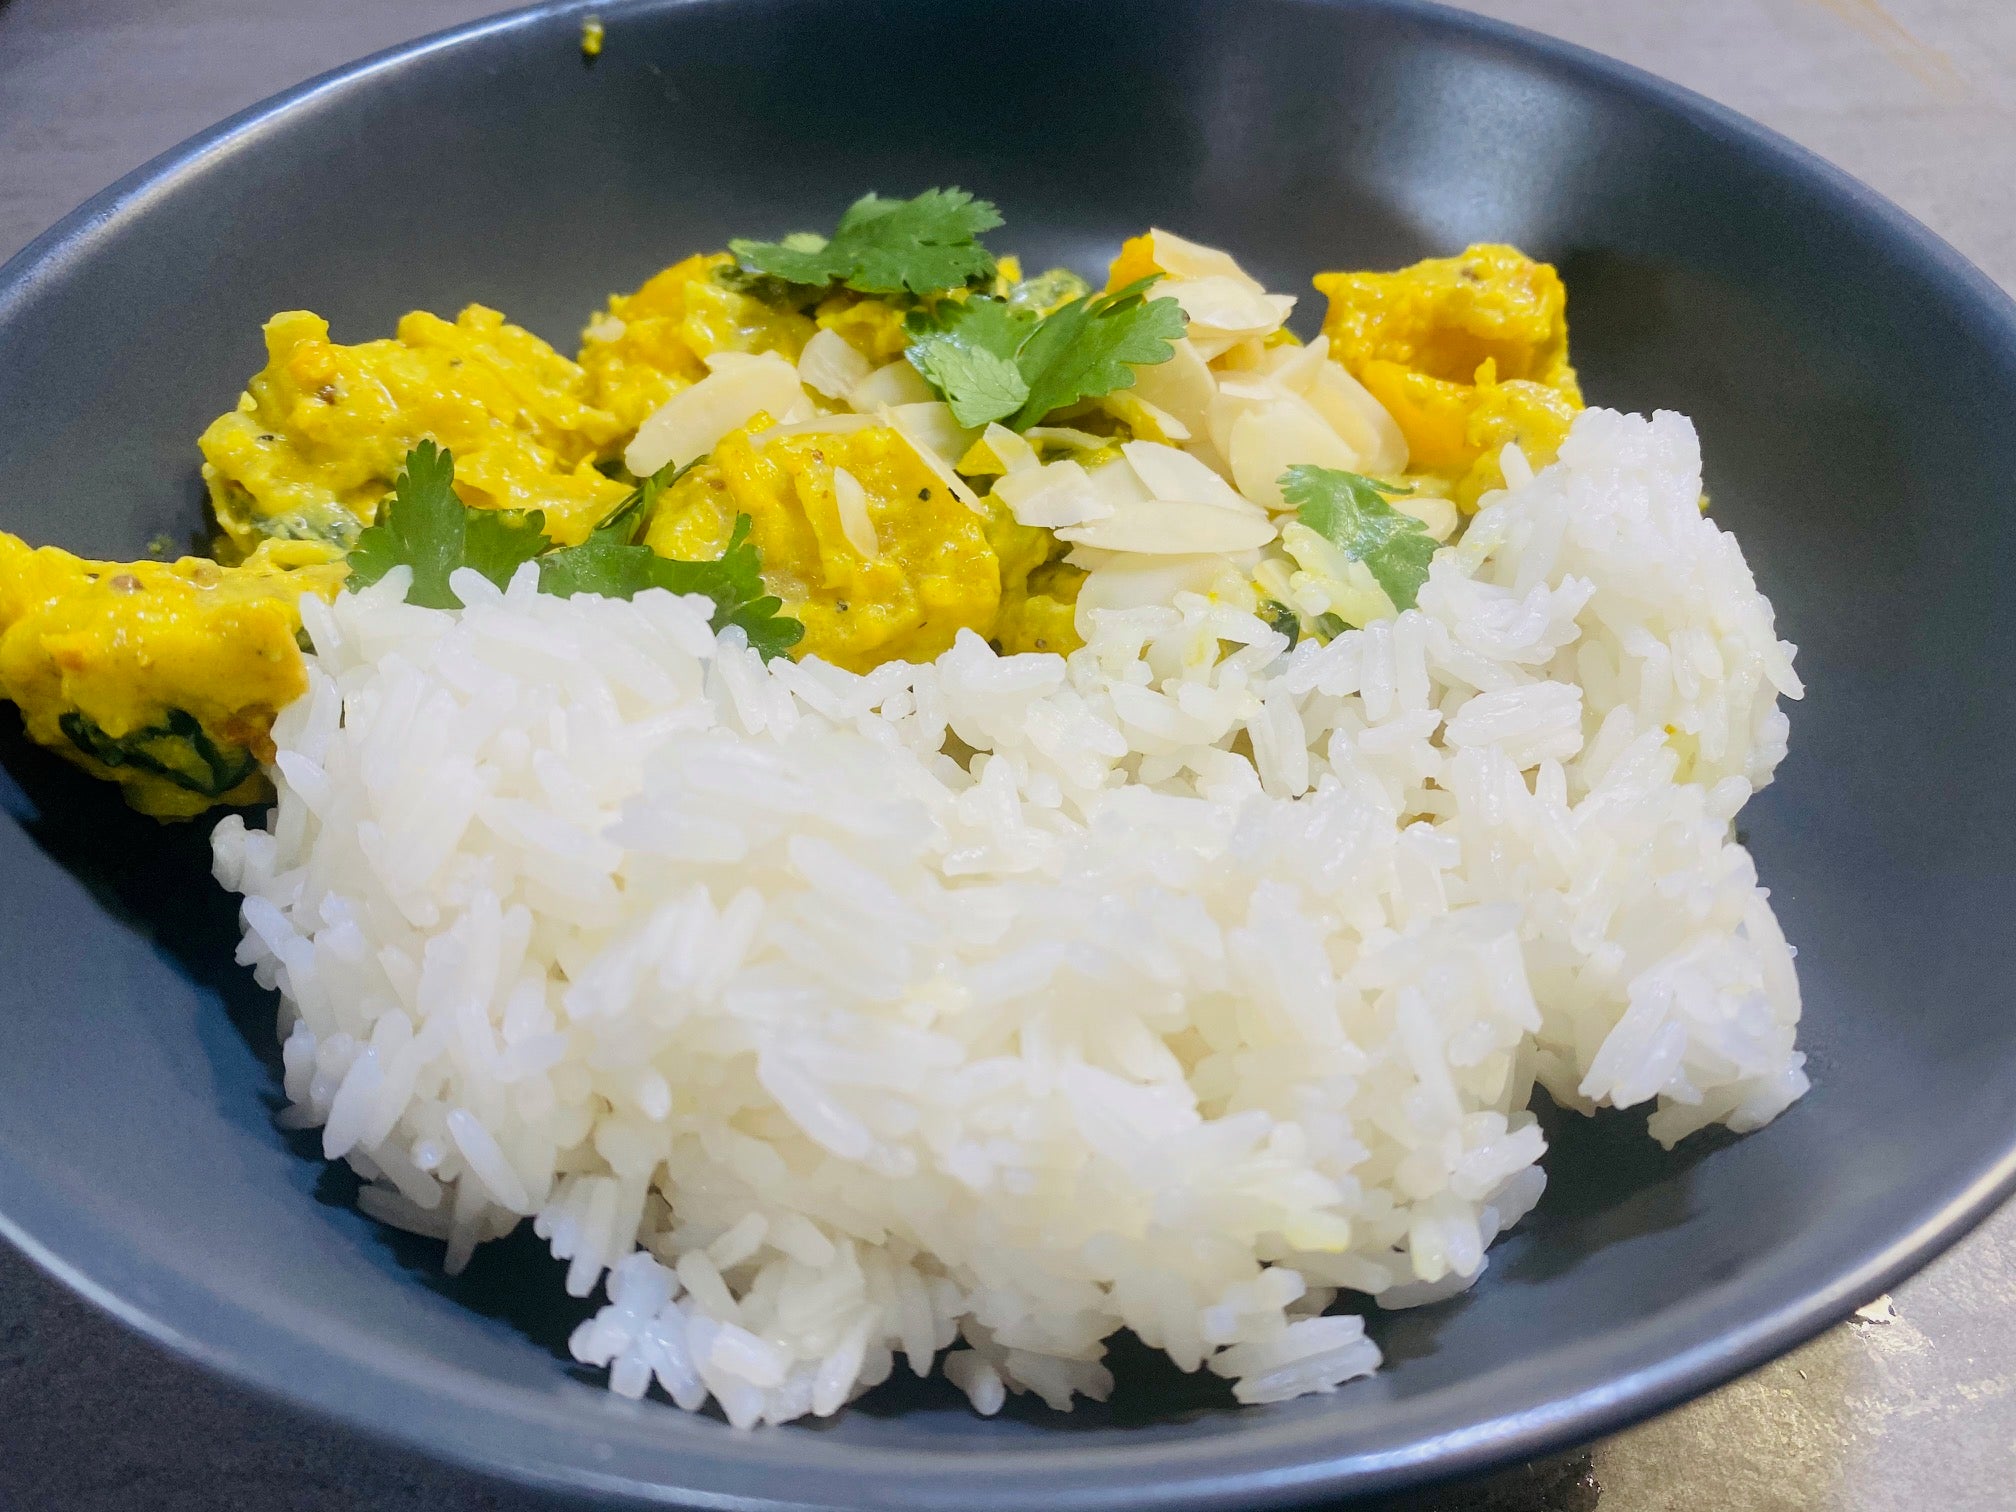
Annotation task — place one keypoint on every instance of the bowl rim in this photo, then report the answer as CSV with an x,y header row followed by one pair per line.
x,y
1278,1465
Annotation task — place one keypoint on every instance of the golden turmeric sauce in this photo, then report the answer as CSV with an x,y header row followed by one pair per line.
x,y
932,573
645,346
1467,353
165,676
321,432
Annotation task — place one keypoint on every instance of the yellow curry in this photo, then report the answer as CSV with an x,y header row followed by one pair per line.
x,y
163,677
1466,353
882,540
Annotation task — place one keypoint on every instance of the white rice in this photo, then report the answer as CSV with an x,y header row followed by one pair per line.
x,y
1216,981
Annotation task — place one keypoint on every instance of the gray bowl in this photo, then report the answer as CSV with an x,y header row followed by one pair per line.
x,y
1853,380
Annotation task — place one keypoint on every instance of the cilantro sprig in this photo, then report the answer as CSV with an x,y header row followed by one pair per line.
x,y
608,564
1351,513
919,246
633,510
968,350
993,361
426,527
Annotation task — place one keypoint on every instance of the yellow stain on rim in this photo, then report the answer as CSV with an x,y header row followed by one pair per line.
x,y
1920,59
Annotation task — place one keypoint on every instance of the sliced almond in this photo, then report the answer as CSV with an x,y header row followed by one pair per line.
x,y
687,425
932,423
1016,454
1138,582
1172,528
1091,558
1180,257
1148,421
1438,514
1359,418
1203,449
1221,306
1293,366
1245,355
1049,497
999,450
1343,403
829,365
817,425
1116,482
934,437
850,500
1170,474
1284,432
1234,399
1182,386
892,384
1257,386
1067,438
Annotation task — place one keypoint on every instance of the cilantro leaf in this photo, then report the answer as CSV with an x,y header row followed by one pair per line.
x,y
604,565
1281,618
497,542
426,527
1091,346
421,527
882,246
966,350
799,262
633,511
607,564
1350,512
993,361
979,384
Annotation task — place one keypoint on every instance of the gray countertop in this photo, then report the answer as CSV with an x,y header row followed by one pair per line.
x,y
1916,1412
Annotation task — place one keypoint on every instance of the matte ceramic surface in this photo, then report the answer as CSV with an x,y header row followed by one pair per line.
x,y
1853,381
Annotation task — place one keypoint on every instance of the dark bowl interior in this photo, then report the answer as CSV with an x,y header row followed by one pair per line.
x,y
1853,381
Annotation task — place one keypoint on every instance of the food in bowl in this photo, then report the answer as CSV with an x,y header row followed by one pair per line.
x,y
899,809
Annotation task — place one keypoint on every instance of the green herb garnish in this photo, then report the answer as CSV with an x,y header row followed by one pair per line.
x,y
967,351
176,750
1281,618
633,511
992,361
916,246
608,565
426,527
1351,513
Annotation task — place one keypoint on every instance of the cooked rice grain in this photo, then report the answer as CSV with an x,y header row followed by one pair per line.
x,y
1215,983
